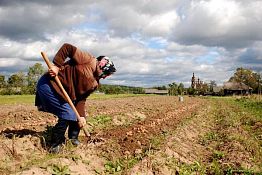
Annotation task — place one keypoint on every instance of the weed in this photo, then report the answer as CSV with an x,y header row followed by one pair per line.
x,y
253,105
184,168
100,121
215,168
156,142
60,169
217,155
113,167
131,162
122,120
208,137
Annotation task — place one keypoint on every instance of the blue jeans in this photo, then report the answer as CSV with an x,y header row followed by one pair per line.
x,y
48,100
58,133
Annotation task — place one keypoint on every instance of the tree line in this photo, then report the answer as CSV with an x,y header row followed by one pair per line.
x,y
248,77
25,83
21,83
241,75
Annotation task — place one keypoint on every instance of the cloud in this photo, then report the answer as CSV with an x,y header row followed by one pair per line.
x,y
30,20
151,18
150,42
222,23
251,57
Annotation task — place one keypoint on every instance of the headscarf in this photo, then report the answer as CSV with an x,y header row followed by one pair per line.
x,y
108,68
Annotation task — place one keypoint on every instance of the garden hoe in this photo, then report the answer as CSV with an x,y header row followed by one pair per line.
x,y
66,95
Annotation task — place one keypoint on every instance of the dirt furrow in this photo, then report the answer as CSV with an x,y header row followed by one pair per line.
x,y
134,138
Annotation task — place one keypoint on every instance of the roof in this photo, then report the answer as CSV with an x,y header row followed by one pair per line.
x,y
217,88
155,91
236,86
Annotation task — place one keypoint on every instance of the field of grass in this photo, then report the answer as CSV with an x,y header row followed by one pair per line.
x,y
16,99
29,99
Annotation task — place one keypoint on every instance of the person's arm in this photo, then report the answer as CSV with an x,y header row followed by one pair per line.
x,y
80,107
67,50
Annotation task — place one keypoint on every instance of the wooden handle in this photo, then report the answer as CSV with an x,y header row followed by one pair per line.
x,y
65,93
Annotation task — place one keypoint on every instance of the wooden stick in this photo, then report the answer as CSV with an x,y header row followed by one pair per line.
x,y
65,94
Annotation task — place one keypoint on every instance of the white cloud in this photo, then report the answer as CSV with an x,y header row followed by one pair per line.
x,y
6,62
151,42
161,25
225,23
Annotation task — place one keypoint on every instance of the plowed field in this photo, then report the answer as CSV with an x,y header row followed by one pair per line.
x,y
132,135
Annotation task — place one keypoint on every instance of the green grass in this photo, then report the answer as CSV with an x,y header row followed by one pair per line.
x,y
101,121
253,105
17,99
30,99
108,96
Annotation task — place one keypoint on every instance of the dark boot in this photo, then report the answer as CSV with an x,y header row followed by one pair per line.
x,y
73,132
58,135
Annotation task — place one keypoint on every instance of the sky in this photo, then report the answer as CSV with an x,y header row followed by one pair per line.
x,y
151,42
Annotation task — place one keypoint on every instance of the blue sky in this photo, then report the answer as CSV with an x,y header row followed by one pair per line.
x,y
151,42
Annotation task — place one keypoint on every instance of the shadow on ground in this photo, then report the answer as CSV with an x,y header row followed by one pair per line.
x,y
44,136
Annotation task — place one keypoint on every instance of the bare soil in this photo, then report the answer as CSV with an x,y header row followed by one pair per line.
x,y
135,122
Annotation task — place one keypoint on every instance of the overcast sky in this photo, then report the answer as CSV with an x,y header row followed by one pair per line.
x,y
151,42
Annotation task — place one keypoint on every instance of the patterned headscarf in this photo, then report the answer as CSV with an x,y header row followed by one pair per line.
x,y
108,68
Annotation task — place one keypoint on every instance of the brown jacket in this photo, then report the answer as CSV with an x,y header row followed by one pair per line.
x,y
79,75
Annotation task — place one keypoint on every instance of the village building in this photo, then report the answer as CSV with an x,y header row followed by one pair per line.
x,y
229,88
196,83
156,91
235,88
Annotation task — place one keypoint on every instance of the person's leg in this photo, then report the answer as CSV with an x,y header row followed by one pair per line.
x,y
48,100
58,135
73,132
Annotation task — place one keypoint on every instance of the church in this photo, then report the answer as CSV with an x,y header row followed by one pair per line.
x,y
196,83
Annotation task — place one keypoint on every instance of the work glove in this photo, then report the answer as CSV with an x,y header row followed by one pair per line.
x,y
82,122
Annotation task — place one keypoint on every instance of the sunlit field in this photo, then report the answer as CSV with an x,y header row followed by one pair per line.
x,y
137,134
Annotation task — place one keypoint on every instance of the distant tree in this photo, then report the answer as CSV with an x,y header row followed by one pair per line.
x,y
33,75
180,89
173,89
160,87
191,91
212,85
2,81
246,76
15,83
119,89
138,90
204,89
16,80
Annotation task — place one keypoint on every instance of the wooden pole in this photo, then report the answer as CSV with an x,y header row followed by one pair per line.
x,y
65,94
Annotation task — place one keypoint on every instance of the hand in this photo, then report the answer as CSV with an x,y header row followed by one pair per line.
x,y
53,71
82,122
